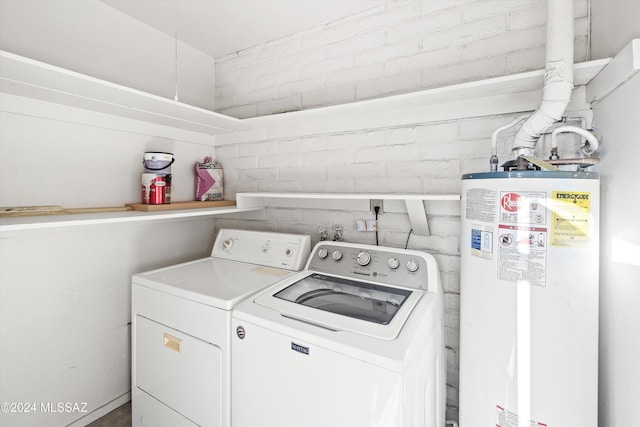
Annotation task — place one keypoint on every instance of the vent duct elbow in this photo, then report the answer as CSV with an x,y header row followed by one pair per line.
x,y
558,78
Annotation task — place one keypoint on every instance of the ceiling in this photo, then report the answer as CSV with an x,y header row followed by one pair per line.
x,y
221,27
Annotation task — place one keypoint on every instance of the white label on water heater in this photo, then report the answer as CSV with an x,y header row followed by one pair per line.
x,y
522,254
481,205
506,418
481,243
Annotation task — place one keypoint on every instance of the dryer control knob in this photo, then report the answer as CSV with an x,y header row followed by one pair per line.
x,y
336,255
323,253
412,265
363,258
393,263
227,244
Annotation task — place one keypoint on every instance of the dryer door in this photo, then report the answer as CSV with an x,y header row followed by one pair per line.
x,y
180,371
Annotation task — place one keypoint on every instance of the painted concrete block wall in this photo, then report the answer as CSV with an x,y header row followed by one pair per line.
x,y
402,47
424,158
93,38
399,47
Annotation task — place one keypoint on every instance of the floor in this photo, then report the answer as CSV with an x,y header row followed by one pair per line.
x,y
119,417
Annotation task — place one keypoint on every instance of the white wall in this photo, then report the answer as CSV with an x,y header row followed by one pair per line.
x,y
94,39
65,293
65,311
56,155
616,117
399,47
613,24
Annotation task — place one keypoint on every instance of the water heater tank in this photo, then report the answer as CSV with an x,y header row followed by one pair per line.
x,y
529,299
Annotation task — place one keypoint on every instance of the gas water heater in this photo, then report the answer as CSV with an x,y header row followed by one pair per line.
x,y
529,299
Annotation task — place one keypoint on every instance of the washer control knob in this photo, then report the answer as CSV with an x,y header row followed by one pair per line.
x,y
393,263
323,253
363,258
227,244
336,255
412,265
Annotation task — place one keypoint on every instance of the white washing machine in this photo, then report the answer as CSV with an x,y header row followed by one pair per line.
x,y
181,323
354,340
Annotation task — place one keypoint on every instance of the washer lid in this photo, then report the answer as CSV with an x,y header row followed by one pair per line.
x,y
359,300
212,281
343,304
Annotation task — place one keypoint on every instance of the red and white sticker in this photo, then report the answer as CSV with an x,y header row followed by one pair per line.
x,y
506,418
523,207
522,254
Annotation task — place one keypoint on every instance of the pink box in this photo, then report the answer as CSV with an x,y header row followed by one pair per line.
x,y
209,180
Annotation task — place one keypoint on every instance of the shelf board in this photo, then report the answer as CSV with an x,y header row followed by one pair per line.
x,y
499,95
413,203
242,198
75,220
621,68
33,79
518,92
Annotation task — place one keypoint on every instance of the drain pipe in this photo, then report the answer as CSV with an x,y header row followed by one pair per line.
x,y
558,77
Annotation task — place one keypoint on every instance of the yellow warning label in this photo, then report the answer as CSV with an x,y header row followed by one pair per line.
x,y
570,218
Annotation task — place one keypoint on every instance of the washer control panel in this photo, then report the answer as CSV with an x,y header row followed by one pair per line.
x,y
282,250
375,263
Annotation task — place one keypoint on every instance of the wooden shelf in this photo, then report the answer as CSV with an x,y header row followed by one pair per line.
x,y
412,204
180,205
75,220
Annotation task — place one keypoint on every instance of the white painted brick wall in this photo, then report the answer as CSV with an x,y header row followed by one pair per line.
x,y
423,158
398,47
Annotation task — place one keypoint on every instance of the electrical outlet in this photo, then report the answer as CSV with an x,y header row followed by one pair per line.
x,y
366,225
379,203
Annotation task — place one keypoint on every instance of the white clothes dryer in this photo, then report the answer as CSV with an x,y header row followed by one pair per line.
x,y
354,340
181,323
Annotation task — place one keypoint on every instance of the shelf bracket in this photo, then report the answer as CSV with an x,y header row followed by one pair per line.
x,y
417,217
